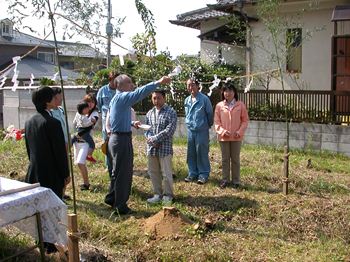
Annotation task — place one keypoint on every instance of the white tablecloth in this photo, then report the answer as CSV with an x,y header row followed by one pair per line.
x,y
53,212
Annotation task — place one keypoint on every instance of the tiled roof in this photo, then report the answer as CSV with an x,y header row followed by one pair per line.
x,y
66,48
22,39
39,69
341,13
193,18
77,49
229,5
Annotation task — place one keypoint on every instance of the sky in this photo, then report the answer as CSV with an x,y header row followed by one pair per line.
x,y
176,39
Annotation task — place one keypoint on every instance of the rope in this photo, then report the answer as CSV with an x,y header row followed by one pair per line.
x,y
75,236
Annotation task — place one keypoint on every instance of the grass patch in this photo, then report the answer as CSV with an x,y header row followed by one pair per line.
x,y
254,223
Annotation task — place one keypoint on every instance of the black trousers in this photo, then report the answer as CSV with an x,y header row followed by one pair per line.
x,y
120,148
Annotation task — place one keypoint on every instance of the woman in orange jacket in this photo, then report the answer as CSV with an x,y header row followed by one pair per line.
x,y
231,121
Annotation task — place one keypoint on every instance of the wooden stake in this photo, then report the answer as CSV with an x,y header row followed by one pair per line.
x,y
73,239
286,170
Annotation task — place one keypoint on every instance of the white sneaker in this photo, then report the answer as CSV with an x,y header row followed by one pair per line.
x,y
154,200
167,200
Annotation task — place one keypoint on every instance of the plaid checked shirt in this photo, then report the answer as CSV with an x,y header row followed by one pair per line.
x,y
161,132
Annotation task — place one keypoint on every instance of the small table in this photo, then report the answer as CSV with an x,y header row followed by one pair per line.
x,y
21,209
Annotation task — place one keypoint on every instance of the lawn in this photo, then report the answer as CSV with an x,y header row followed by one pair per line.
x,y
254,223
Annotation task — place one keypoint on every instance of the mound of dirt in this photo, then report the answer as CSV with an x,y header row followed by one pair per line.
x,y
167,222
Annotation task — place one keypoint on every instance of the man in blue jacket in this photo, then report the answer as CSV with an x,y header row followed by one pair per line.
x,y
199,119
104,97
120,143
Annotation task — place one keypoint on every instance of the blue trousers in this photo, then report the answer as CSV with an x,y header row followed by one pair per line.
x,y
198,154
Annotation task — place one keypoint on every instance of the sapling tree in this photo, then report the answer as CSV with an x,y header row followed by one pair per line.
x,y
282,31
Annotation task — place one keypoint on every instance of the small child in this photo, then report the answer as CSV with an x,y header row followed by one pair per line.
x,y
83,124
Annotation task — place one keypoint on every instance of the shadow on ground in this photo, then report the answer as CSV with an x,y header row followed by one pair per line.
x,y
218,203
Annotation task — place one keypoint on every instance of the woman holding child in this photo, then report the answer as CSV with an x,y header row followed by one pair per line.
x,y
231,121
84,145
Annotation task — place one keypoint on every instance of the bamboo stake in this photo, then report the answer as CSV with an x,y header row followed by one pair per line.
x,y
286,170
73,239
64,106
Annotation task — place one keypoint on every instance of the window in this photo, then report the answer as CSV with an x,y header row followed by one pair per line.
x,y
5,29
341,63
294,50
46,57
67,65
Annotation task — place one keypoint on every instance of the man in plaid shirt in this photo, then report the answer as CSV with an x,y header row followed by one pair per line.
x,y
162,119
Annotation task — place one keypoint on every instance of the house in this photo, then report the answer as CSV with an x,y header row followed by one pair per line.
x,y
314,44
75,57
80,57
41,61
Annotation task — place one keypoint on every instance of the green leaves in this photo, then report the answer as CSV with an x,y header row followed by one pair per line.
x,y
146,41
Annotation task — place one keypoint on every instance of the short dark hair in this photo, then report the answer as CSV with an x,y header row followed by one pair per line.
x,y
229,86
41,97
162,92
194,80
56,90
81,106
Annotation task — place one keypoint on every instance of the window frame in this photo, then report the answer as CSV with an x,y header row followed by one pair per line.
x,y
294,50
46,55
5,26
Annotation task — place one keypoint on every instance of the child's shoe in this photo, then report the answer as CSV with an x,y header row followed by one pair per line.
x,y
91,159
84,187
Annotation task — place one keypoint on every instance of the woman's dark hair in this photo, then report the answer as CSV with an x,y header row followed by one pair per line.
x,y
81,106
112,75
56,90
229,86
90,98
41,97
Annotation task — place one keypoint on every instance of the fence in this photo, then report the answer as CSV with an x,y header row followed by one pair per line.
x,y
331,107
301,106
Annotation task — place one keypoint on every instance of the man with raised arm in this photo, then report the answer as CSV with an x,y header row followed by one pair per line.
x,y
120,143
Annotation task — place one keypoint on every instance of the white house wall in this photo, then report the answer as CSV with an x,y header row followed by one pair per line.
x,y
231,54
210,49
316,51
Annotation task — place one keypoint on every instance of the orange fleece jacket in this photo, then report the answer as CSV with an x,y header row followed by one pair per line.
x,y
234,120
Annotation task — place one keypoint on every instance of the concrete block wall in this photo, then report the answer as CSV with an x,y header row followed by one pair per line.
x,y
302,135
18,108
317,137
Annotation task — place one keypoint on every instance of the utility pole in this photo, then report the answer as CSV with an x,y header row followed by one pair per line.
x,y
109,32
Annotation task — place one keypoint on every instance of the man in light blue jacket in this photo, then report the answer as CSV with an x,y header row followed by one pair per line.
x,y
199,119
104,97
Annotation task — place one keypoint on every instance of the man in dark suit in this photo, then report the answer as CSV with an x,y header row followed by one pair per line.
x,y
48,163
